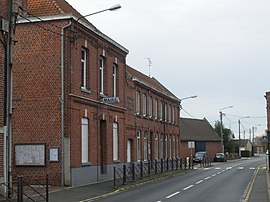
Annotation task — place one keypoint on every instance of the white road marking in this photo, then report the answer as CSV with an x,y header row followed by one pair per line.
x,y
219,173
217,168
170,196
214,175
240,168
206,169
252,168
207,178
186,188
199,182
229,168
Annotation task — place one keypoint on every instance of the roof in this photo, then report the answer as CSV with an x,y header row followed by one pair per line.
x,y
50,7
197,130
150,82
243,142
47,10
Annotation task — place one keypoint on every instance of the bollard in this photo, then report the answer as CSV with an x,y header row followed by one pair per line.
x,y
20,189
167,164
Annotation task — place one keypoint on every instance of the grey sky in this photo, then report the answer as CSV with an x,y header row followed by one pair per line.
x,y
215,49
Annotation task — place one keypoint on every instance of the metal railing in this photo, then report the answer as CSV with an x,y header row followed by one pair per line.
x,y
134,171
35,190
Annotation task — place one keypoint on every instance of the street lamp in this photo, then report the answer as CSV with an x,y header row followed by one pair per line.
x,y
239,123
185,98
113,8
221,126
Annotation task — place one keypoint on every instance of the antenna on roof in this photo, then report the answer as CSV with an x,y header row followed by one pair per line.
x,y
149,65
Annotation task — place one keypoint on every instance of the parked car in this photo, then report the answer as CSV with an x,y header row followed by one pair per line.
x,y
199,156
220,157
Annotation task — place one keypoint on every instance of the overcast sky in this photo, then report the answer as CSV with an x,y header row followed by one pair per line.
x,y
216,49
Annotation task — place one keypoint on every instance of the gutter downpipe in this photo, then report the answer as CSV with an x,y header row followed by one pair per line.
x,y
62,100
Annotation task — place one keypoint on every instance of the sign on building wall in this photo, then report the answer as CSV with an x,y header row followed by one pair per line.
x,y
30,154
110,99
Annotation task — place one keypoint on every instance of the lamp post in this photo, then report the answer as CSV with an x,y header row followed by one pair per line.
x,y
113,8
221,127
185,98
239,123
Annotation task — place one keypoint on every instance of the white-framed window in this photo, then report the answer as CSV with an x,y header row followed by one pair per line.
x,y
170,146
85,143
150,107
173,115
115,80
115,141
165,112
166,146
161,110
156,108
138,102
169,113
176,145
101,75
138,146
161,146
144,104
156,145
84,68
145,146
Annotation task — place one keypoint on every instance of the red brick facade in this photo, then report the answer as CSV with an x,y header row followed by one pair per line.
x,y
3,13
154,133
41,56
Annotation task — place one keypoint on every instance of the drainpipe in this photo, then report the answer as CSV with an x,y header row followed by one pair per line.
x,y
63,101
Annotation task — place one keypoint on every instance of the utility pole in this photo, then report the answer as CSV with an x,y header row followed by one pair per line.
x,y
221,132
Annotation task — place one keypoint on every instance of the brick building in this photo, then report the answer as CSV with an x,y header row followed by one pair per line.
x,y
152,119
202,134
68,99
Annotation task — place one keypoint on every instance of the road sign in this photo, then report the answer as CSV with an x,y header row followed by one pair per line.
x,y
191,144
264,138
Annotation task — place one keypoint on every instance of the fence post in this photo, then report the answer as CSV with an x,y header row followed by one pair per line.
x,y
141,166
172,163
133,172
155,166
124,174
181,163
20,189
149,167
185,163
47,187
167,164
161,162
176,163
114,178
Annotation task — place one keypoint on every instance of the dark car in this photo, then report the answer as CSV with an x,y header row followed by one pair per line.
x,y
220,157
199,156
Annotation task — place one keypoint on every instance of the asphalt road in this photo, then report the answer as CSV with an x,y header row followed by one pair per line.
x,y
225,182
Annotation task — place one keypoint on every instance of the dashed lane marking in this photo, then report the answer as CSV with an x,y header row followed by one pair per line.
x,y
186,188
199,182
170,196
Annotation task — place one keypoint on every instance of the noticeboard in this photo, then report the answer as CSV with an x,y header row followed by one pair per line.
x,y
30,155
